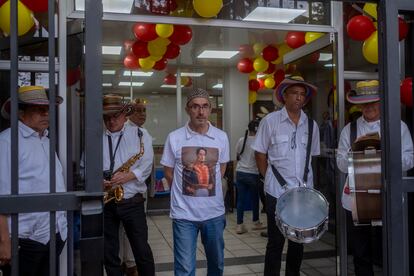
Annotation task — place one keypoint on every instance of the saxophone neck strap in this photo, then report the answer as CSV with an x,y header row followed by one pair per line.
x,y
113,153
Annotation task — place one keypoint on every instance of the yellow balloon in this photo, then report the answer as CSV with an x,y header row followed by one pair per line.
x,y
146,63
371,9
155,58
184,9
370,48
260,65
269,82
258,48
164,30
283,50
157,47
253,75
311,36
184,80
207,8
25,20
252,97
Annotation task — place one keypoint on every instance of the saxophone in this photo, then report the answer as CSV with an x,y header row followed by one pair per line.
x,y
117,192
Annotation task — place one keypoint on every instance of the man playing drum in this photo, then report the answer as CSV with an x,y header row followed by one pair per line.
x,y
366,95
282,143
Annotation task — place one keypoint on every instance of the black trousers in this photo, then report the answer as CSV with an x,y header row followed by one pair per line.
x,y
131,214
360,244
34,258
275,243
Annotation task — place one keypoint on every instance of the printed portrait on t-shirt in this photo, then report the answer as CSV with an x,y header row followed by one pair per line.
x,y
199,172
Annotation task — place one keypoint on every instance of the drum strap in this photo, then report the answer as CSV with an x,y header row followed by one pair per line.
x,y
353,132
279,177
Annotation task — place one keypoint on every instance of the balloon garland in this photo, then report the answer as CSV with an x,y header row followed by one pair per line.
x,y
155,44
364,28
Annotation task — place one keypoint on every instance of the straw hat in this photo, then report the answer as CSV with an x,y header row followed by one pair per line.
x,y
366,92
29,95
113,103
294,80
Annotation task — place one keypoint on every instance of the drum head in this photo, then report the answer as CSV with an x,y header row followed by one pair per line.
x,y
302,208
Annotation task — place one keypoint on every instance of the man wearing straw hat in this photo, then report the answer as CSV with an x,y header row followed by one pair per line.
x,y
33,156
127,162
281,147
193,212
367,96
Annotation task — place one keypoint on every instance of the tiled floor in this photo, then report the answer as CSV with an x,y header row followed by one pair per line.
x,y
244,254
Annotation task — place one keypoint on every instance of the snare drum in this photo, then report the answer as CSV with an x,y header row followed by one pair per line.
x,y
302,214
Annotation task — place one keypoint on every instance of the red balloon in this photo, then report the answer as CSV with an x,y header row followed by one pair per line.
x,y
314,57
295,39
173,51
270,53
245,65
261,83
246,51
406,92
161,64
270,69
360,27
73,76
131,61
128,45
35,5
402,28
189,82
254,85
140,49
145,32
181,35
279,75
170,79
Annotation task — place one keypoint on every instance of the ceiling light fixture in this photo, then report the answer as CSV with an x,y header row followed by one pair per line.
x,y
107,84
329,65
111,50
189,74
115,6
325,57
128,83
170,86
127,73
217,54
264,14
218,86
108,72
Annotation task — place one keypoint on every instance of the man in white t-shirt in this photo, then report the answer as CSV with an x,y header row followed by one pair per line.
x,y
194,160
281,146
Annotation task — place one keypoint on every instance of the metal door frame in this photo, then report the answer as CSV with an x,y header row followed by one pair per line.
x,y
88,202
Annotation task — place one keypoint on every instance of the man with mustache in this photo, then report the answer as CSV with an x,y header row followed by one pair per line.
x,y
34,160
367,96
282,146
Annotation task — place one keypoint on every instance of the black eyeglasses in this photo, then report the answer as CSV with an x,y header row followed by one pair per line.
x,y
197,107
293,141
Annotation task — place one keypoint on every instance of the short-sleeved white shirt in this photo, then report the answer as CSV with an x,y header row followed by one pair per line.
x,y
285,144
190,200
247,162
33,178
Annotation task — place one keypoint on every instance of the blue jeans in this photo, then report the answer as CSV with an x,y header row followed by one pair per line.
x,y
185,234
247,182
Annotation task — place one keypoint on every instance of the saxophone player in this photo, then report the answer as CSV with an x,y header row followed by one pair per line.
x,y
127,162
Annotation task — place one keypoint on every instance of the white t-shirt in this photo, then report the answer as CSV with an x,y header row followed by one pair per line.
x,y
285,144
247,162
196,192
